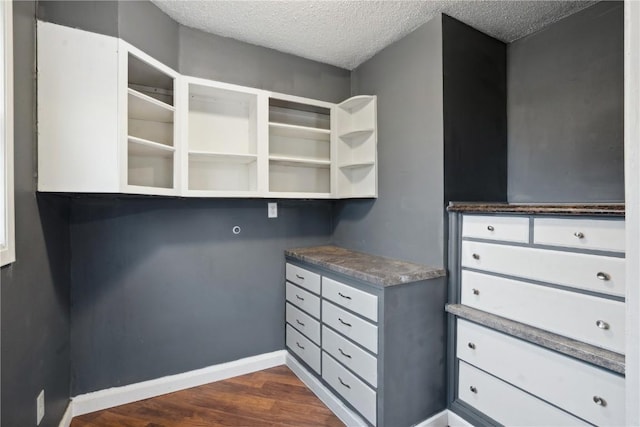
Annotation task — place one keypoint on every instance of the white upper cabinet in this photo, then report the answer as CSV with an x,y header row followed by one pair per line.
x,y
111,119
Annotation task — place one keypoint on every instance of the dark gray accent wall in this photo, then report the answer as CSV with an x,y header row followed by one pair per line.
x,y
163,286
475,114
565,110
95,16
407,219
231,61
34,291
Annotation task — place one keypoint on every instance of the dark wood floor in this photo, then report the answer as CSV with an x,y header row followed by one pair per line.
x,y
273,397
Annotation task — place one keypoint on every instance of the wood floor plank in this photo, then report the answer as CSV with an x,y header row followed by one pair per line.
x,y
269,398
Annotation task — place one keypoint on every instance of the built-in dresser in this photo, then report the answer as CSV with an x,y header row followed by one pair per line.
x,y
537,314
370,330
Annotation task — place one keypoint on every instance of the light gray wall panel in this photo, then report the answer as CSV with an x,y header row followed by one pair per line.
x,y
565,110
406,221
34,291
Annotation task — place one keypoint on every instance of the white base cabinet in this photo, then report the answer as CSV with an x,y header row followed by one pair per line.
x,y
111,119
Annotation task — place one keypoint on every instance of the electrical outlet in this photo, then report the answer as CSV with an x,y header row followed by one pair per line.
x,y
40,407
272,210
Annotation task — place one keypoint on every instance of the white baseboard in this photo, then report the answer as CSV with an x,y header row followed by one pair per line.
x,y
441,419
116,396
336,406
67,417
456,420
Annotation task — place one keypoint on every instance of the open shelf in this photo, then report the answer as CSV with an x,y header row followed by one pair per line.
x,y
209,156
300,132
359,135
355,103
142,147
298,178
357,165
144,107
218,172
298,114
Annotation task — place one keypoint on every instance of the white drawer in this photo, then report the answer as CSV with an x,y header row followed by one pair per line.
x,y
565,313
303,299
304,278
506,404
351,356
351,388
303,323
562,381
363,303
592,272
598,234
507,228
308,351
351,326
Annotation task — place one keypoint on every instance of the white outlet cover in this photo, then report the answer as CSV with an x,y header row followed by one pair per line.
x,y
272,210
40,407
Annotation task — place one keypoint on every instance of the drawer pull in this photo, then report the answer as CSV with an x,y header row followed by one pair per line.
x,y
343,383
603,276
475,256
475,291
344,296
299,346
300,277
299,297
344,354
344,323
602,324
490,227
599,401
299,322
473,389
579,234
472,346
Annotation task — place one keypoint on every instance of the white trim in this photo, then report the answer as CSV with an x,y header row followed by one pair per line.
x,y
103,399
440,419
336,406
67,416
632,198
455,420
8,252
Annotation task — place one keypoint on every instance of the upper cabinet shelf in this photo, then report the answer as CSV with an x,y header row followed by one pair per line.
x,y
133,125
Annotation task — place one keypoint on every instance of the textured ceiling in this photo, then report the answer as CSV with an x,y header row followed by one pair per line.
x,y
346,33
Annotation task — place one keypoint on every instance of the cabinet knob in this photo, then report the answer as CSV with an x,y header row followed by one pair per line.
x,y
473,389
490,227
475,256
603,276
299,346
579,234
475,291
344,296
599,401
602,324
471,345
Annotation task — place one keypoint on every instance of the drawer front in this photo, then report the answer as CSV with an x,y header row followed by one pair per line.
x,y
351,326
592,272
567,383
305,278
510,229
594,320
363,303
351,388
351,356
303,299
303,323
308,351
597,234
506,404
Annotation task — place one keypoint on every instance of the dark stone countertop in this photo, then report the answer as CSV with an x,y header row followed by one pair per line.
x,y
613,209
586,352
374,269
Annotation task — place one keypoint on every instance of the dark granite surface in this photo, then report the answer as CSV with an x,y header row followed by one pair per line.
x,y
613,209
374,269
586,352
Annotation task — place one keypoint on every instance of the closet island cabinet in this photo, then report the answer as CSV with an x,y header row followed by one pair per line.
x,y
112,119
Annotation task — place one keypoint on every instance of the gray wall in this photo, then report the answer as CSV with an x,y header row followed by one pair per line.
x,y
406,221
565,110
34,291
165,279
